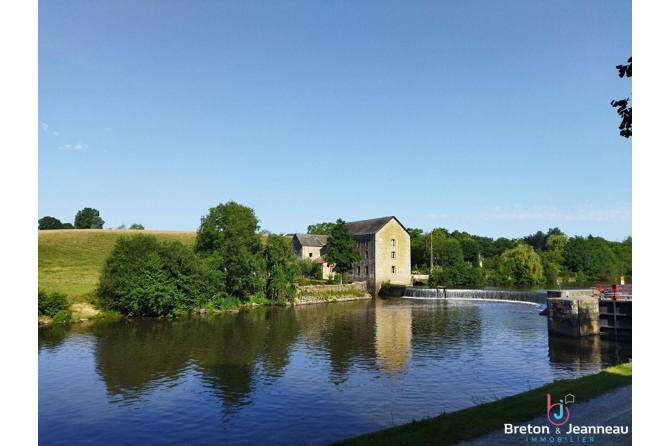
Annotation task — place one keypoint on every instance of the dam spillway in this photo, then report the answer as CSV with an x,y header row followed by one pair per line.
x,y
530,297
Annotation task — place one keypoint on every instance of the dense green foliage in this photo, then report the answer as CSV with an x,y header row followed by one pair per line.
x,y
342,250
86,219
136,226
62,317
308,268
461,259
143,276
228,239
51,303
520,265
282,270
47,223
97,222
321,228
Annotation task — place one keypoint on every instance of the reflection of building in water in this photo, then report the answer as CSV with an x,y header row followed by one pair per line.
x,y
576,353
393,339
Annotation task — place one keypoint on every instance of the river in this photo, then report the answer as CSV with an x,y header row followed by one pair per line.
x,y
303,375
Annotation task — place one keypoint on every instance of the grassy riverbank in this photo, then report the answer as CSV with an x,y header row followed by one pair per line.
x,y
69,260
449,429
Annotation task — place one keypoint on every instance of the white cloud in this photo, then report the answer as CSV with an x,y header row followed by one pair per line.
x,y
81,146
56,133
44,125
66,147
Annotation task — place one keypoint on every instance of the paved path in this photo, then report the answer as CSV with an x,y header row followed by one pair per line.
x,y
611,409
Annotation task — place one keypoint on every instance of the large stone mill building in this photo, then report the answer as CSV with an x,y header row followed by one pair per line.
x,y
384,244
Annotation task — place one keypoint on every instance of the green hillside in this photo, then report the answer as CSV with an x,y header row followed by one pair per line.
x,y
69,260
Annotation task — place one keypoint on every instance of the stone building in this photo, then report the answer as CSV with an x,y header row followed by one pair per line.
x,y
313,247
384,244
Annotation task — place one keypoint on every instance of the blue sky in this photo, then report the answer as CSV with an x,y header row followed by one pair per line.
x,y
490,117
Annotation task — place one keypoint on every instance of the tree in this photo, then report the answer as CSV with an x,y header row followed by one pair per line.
x,y
536,241
228,238
67,226
47,223
282,270
520,265
471,250
342,250
144,277
97,222
84,219
625,112
308,268
136,226
321,228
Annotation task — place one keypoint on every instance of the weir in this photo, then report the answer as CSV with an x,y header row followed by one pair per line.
x,y
533,297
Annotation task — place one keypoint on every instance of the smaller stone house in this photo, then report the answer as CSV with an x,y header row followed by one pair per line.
x,y
313,247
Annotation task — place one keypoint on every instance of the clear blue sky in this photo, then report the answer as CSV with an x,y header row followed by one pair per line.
x,y
490,117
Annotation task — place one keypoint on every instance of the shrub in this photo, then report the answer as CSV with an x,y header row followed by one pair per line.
x,y
223,302
146,278
62,317
51,303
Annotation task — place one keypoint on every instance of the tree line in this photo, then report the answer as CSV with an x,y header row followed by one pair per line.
x,y
232,262
87,218
462,259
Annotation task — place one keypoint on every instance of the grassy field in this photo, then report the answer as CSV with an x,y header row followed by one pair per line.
x,y
449,429
69,260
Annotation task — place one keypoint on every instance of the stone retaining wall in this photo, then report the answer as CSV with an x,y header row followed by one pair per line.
x,y
573,316
314,294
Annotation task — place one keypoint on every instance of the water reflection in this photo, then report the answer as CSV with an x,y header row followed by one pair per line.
x,y
586,353
52,336
393,339
342,369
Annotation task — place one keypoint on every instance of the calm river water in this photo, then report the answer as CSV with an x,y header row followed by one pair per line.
x,y
306,375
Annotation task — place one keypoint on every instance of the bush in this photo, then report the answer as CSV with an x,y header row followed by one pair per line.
x,y
220,301
62,317
146,278
50,304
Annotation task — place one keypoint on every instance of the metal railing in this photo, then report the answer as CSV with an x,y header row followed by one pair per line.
x,y
613,292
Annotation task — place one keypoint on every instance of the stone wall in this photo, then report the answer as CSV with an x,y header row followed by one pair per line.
x,y
573,316
391,254
314,294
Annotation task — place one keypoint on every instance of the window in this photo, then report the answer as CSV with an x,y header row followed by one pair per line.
x,y
358,271
366,271
310,254
392,242
366,254
393,254
393,269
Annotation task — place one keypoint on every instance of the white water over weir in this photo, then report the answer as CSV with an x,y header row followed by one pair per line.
x,y
532,297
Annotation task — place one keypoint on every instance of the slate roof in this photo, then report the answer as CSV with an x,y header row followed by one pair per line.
x,y
371,226
312,239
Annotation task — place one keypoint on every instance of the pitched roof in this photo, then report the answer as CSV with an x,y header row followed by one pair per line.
x,y
371,226
312,239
